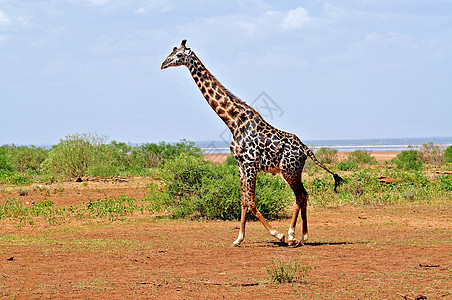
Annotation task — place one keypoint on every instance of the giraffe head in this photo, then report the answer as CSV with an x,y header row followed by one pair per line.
x,y
179,56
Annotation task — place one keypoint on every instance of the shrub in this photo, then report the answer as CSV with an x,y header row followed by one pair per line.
x,y
5,163
408,160
327,155
104,170
26,158
127,156
361,157
75,154
167,150
430,154
231,161
448,155
183,175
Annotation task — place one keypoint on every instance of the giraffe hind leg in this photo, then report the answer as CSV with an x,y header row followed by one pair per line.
x,y
241,236
301,196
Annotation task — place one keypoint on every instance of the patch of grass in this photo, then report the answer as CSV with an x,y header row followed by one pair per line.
x,y
347,166
287,271
113,208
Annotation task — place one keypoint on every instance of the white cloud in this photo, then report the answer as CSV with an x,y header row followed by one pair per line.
x,y
51,37
332,12
156,6
254,4
295,18
98,2
3,18
250,28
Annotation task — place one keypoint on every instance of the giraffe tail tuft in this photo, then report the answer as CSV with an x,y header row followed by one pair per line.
x,y
337,181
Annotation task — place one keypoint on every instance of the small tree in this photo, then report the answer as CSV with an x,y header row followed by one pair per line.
x,y
430,153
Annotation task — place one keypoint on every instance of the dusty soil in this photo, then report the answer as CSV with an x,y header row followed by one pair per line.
x,y
391,252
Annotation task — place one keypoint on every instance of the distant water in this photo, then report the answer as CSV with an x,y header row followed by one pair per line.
x,y
393,144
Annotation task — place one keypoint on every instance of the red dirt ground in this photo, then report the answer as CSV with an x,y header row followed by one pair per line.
x,y
389,252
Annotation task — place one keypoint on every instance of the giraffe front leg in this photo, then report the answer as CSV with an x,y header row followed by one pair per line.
x,y
241,236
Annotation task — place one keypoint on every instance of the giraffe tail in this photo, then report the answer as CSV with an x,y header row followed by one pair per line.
x,y
337,179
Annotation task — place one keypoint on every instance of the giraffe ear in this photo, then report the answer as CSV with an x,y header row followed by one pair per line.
x,y
183,43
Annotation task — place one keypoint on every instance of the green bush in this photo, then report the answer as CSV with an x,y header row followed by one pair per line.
x,y
408,160
104,170
26,158
5,164
184,174
167,150
128,156
199,189
75,154
361,157
327,155
448,155
231,161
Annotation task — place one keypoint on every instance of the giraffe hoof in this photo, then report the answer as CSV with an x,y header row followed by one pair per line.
x,y
281,238
300,244
235,244
292,243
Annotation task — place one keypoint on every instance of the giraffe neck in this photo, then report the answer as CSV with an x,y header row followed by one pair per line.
x,y
229,108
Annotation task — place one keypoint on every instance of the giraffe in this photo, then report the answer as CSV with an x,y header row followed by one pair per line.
x,y
256,145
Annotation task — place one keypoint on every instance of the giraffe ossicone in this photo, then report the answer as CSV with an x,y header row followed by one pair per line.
x,y
256,145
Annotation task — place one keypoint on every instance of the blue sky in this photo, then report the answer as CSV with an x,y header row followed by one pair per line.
x,y
335,69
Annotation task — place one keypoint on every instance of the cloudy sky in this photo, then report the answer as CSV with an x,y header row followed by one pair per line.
x,y
333,69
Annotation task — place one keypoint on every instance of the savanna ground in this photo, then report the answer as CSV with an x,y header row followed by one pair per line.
x,y
355,252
